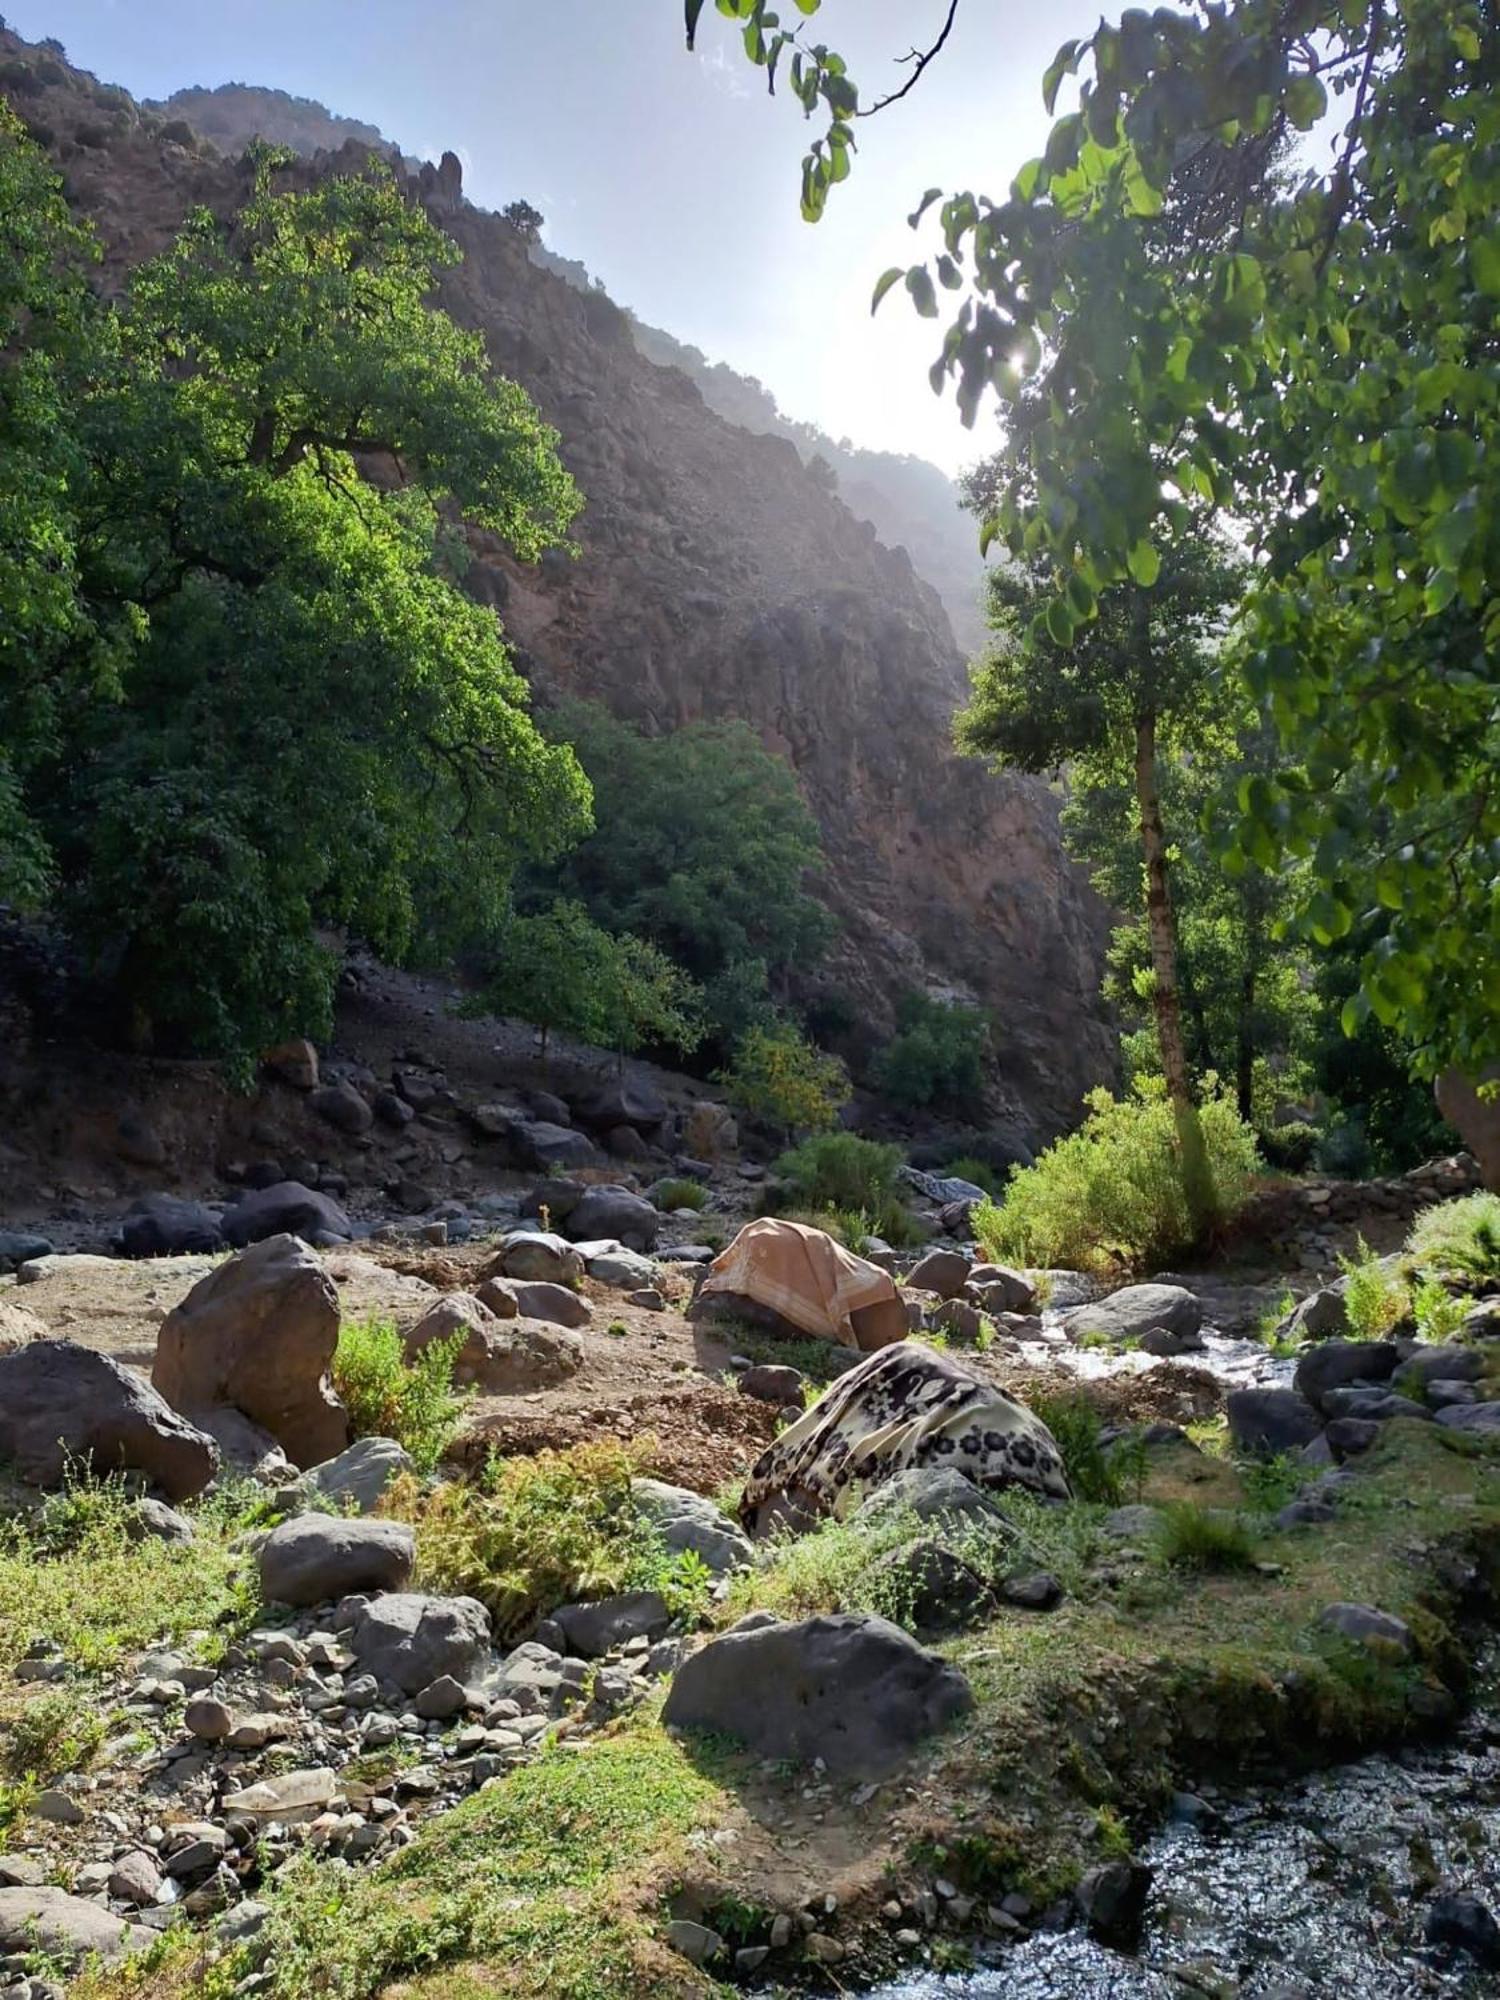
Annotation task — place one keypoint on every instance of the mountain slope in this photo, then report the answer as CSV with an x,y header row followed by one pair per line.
x,y
717,577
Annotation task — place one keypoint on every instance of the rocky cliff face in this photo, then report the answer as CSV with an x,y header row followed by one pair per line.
x,y
715,578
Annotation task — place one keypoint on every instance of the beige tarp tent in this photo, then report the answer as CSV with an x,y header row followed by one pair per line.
x,y
813,1283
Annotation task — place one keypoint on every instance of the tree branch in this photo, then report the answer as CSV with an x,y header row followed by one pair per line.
x,y
921,60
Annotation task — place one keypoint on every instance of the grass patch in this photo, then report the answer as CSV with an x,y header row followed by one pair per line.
x,y
73,1572
532,1533
51,1735
1376,1299
1458,1241
1203,1538
392,1394
671,1195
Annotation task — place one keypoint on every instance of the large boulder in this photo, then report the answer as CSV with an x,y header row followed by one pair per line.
x,y
539,1256
1321,1315
1426,1365
932,1493
160,1225
1268,1422
59,1402
67,1928
1337,1364
610,1263
359,1476
294,1062
945,1272
615,1212
857,1692
259,1333
286,1208
318,1557
554,1303
1000,1288
1127,1314
595,1628
341,1106
502,1357
621,1100
1481,1419
1476,1118
687,1522
412,1640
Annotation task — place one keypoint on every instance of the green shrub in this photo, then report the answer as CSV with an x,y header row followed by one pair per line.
x,y
1458,1241
534,1533
1093,1474
1438,1313
839,1170
1375,1297
980,1172
1290,1147
391,1394
936,1058
674,1194
1202,1538
1110,1194
778,1075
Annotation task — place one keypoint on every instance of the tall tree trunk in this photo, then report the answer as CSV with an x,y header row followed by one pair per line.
x,y
1244,1043
1197,1178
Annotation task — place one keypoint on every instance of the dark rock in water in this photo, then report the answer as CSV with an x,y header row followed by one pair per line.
x,y
59,1401
18,1247
1270,1421
160,1225
1457,1917
1164,1343
857,1692
285,1209
1337,1364
1134,1310
1112,1898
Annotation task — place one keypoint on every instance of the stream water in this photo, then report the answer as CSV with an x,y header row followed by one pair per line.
x,y
1317,1889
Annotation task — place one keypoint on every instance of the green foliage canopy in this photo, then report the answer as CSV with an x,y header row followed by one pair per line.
x,y
935,1059
248,698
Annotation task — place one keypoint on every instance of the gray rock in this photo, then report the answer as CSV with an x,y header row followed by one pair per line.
x,y
1375,1404
135,1878
1348,1437
208,1718
60,1401
930,1492
19,1246
317,1558
287,1208
686,1521
1112,1898
945,1272
441,1699
615,1212
597,1628
1482,1320
1002,1288
66,1927
291,1797
1127,1314
539,1255
58,1808
624,1100
1267,1422
610,1263
771,1384
935,1589
1367,1626
161,1225
511,1357
857,1692
1480,1418
1134,1523
1436,1364
1320,1316
553,1303
1039,1591
538,1143
1337,1364
1164,1343
1458,1918
1447,1395
341,1106
359,1476
1304,1514
153,1520
959,1320
694,1942
22,1871
411,1640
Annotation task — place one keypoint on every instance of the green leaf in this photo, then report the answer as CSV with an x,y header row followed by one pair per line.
x,y
924,298
693,9
1144,564
1065,60
1306,101
1484,262
1059,622
887,279
932,195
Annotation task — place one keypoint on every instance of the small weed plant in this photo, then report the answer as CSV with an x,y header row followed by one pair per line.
x,y
1094,1474
1458,1242
51,1735
1201,1538
1438,1312
1375,1297
1109,1196
672,1195
390,1393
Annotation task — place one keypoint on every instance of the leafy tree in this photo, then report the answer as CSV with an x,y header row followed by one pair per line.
x,y
525,220
1323,369
778,1075
560,971
704,846
935,1060
249,699
1050,694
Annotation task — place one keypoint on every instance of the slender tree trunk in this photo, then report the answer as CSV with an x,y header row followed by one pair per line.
x,y
1244,1045
1197,1179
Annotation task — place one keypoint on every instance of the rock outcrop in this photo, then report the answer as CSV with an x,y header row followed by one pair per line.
x,y
717,577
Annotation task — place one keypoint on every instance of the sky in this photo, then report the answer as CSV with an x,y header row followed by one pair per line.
x,y
671,176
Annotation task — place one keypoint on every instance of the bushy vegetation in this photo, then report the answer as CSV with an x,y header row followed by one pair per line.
x,y
1458,1241
1439,1314
1376,1299
532,1533
671,1195
1203,1538
935,1060
777,1076
979,1172
1110,1195
389,1393
244,696
50,1735
839,1170
1094,1474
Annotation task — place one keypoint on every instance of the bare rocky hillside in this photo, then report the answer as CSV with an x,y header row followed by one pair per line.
x,y
715,577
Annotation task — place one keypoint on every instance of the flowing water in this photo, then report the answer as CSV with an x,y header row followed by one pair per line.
x,y
1309,1892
